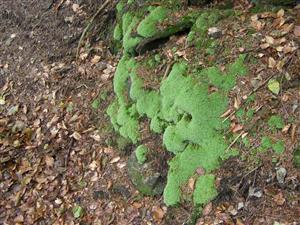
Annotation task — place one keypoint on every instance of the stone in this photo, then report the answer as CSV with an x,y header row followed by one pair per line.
x,y
280,175
144,177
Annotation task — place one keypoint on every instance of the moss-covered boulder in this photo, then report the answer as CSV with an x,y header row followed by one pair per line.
x,y
142,22
144,176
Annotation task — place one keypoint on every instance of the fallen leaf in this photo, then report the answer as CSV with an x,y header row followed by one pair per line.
x,y
271,62
76,136
158,213
191,183
49,161
207,209
270,40
95,59
280,13
279,199
264,46
286,128
297,31
116,159
274,86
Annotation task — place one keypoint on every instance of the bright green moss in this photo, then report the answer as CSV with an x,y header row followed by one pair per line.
x,y
118,32
278,147
267,143
148,27
205,190
275,122
120,6
184,165
127,119
141,154
130,42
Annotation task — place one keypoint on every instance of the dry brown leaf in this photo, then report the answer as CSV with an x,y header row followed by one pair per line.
x,y
116,159
191,183
237,128
226,113
286,128
237,102
137,205
279,48
207,209
280,64
270,40
280,41
289,49
287,27
279,22
297,31
158,213
267,14
280,13
49,160
257,25
279,199
254,18
271,62
95,59
76,136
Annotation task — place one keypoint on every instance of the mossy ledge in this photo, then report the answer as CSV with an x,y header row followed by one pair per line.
x,y
182,109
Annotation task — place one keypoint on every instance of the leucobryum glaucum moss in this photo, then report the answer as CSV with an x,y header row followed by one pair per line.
x,y
183,110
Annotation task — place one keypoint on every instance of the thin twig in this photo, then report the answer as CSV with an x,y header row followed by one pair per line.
x,y
234,141
88,27
167,70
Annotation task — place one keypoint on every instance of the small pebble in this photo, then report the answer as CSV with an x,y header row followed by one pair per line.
x,y
280,175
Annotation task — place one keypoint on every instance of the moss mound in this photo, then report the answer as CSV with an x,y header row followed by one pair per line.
x,y
183,109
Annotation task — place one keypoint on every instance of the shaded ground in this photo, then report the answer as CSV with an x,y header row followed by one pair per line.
x,y
54,154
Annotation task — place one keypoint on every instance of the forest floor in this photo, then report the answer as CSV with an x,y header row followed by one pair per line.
x,y
59,163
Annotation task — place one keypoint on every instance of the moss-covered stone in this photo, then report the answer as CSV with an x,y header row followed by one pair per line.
x,y
141,154
148,26
145,178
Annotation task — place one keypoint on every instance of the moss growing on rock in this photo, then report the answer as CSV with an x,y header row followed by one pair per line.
x,y
141,154
148,27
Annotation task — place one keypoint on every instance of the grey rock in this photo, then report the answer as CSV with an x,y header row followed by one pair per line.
x,y
280,175
145,177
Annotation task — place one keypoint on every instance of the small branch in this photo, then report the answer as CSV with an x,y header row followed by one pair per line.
x,y
234,141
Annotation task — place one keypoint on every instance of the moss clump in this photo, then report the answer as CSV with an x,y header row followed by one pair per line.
x,y
184,165
118,32
148,27
141,154
275,122
190,116
205,190
267,143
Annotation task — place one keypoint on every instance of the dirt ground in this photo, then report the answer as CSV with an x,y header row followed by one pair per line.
x,y
56,163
